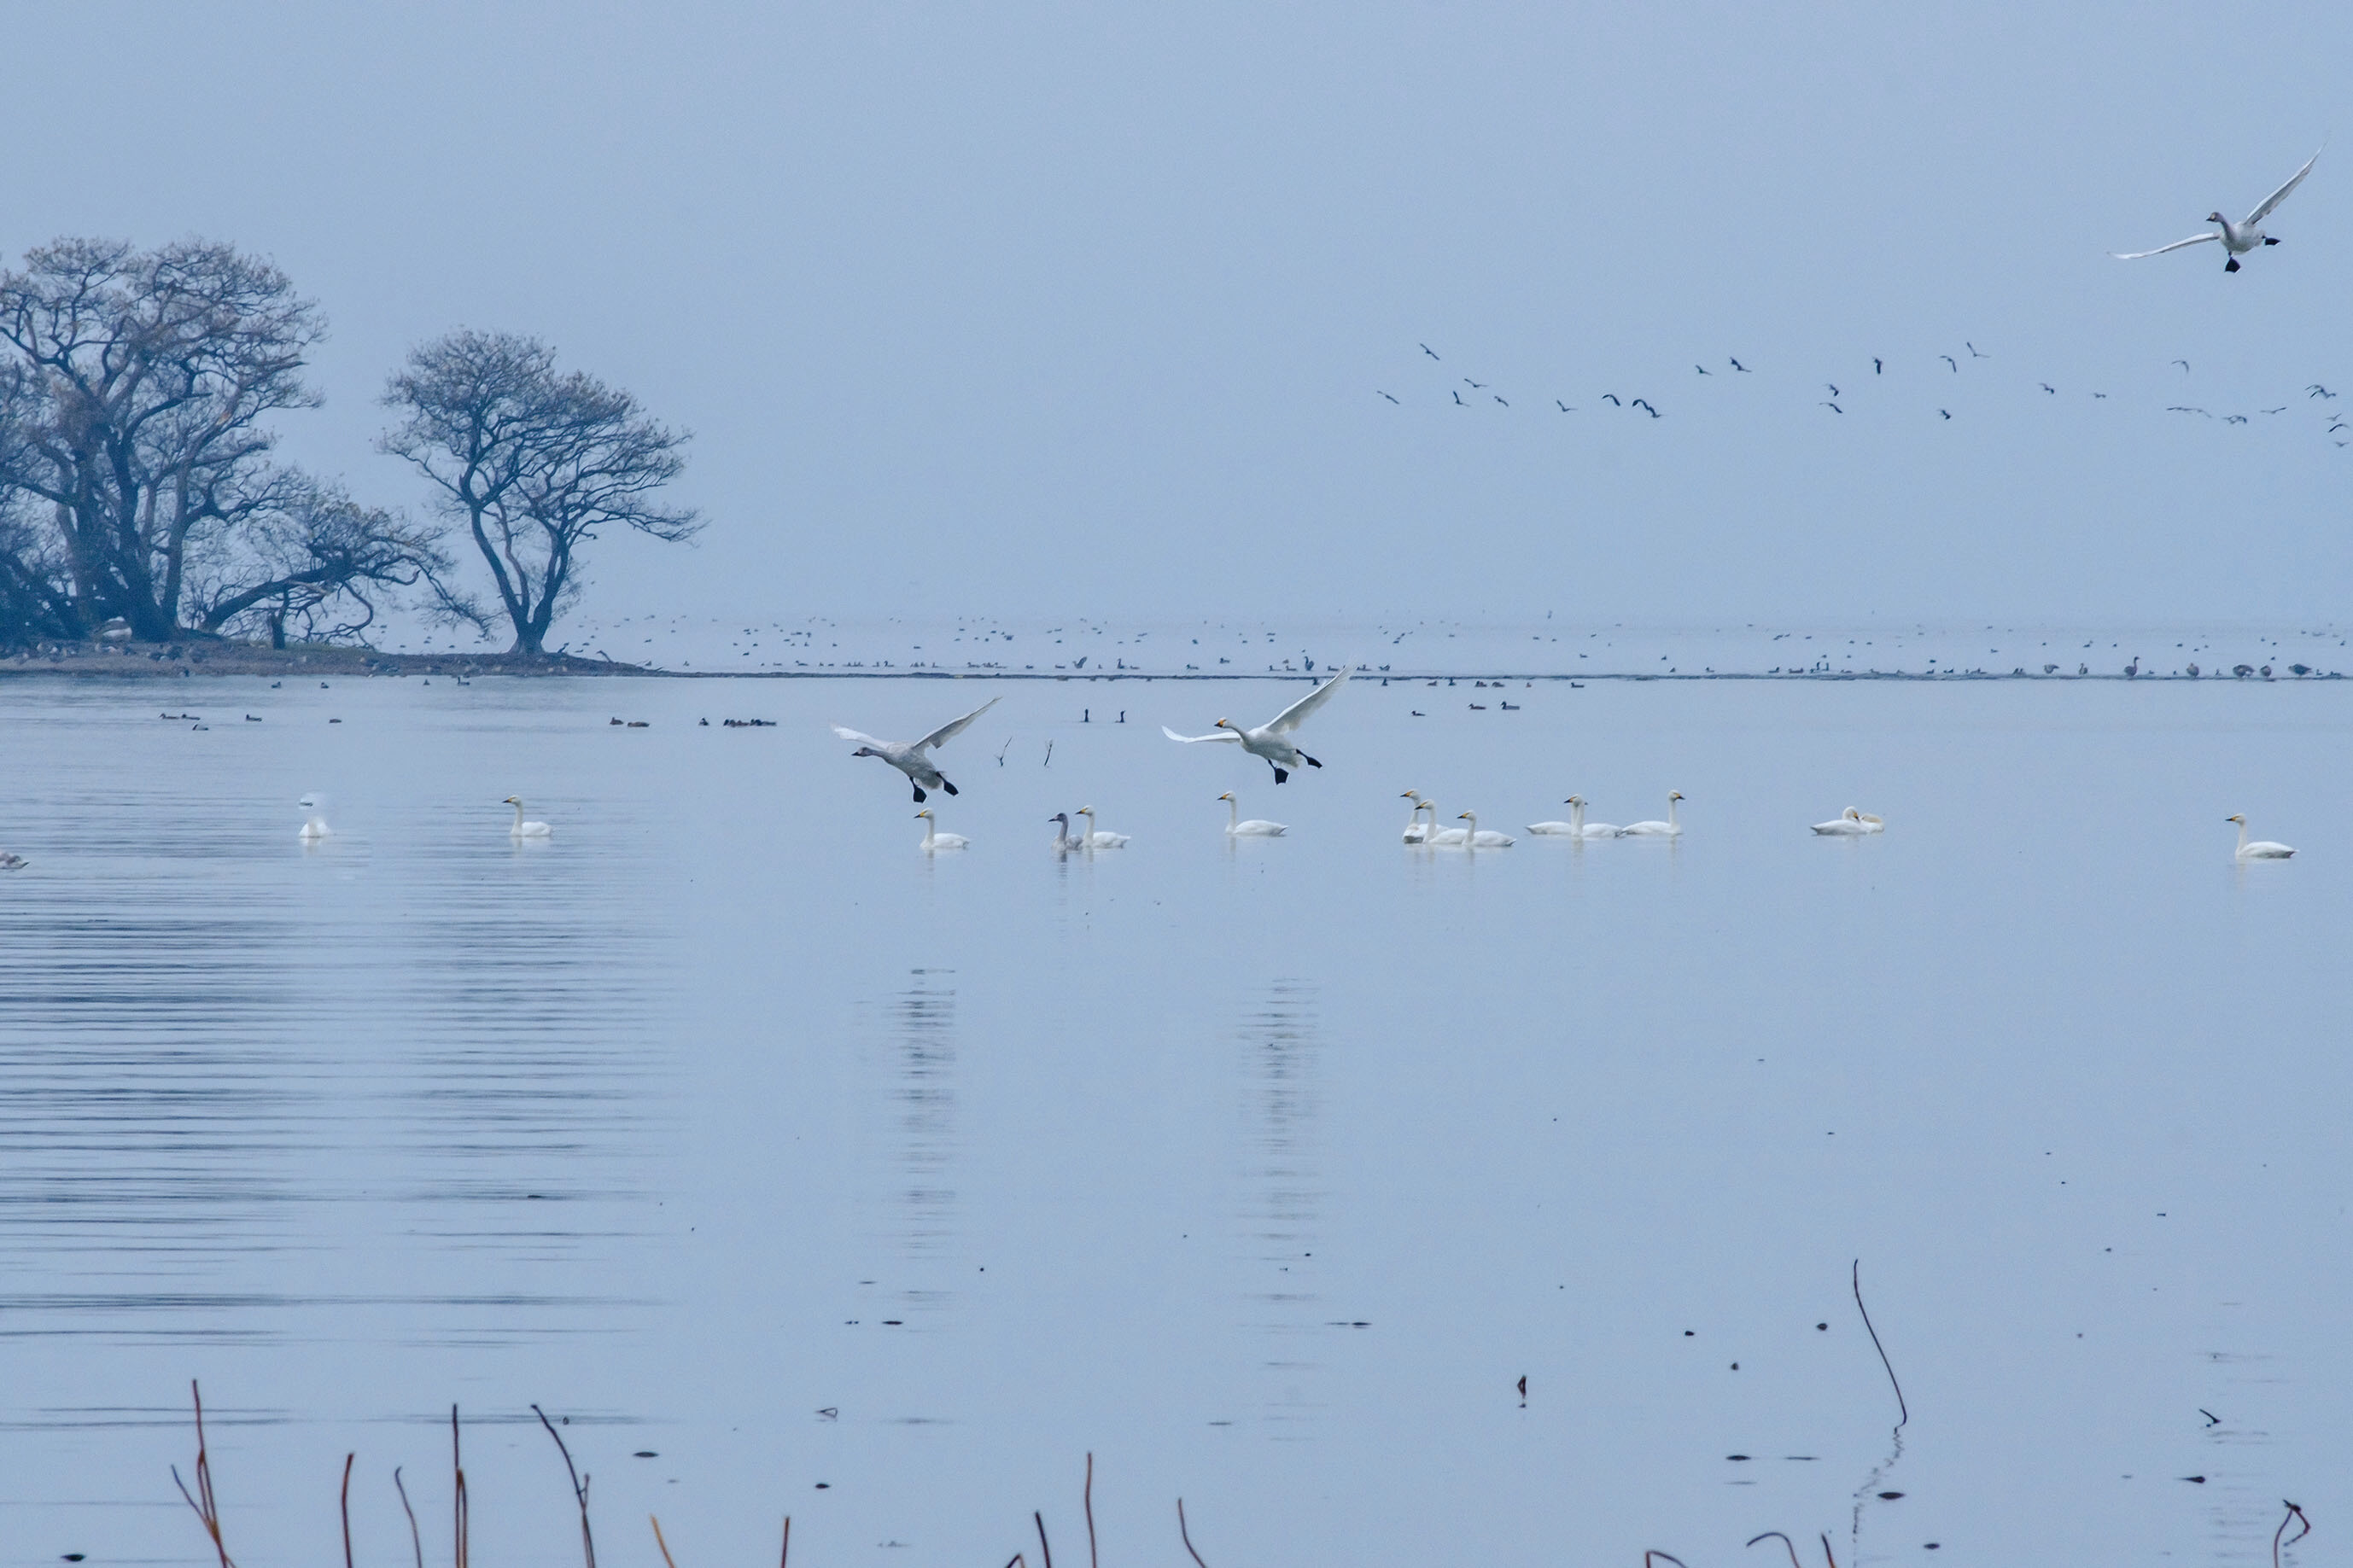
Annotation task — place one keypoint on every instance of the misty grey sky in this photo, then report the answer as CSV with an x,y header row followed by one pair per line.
x,y
1042,310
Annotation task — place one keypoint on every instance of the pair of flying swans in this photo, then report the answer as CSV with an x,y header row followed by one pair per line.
x,y
2238,238
908,756
1272,740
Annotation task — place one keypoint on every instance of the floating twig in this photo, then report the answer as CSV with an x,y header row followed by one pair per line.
x,y
580,1490
1186,1536
660,1542
1902,1410
1785,1541
1826,1552
415,1540
208,1511
347,1501
2296,1514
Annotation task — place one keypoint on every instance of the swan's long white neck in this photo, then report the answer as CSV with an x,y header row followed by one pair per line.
x,y
930,827
1233,815
1577,817
2242,840
1671,804
518,825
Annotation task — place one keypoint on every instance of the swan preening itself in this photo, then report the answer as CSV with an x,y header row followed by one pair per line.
x,y
2262,849
1576,826
1482,837
1669,828
523,829
1256,828
1271,740
316,827
935,840
1851,823
1094,838
2238,238
908,757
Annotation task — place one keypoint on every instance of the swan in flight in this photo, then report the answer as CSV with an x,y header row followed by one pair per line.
x,y
1669,828
1850,824
935,839
2262,849
1576,826
1483,838
316,827
523,829
1271,740
908,757
1094,839
2238,238
1256,828
1064,840
1414,831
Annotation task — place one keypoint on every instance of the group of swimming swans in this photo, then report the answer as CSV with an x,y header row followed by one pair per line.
x,y
1431,835
314,827
1067,841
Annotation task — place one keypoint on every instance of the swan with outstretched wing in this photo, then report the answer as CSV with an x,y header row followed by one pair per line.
x,y
2238,238
1272,740
909,756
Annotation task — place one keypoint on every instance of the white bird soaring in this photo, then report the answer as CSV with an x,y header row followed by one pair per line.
x,y
1850,824
1483,838
2262,849
908,757
1271,740
1669,828
2238,238
316,827
523,829
1256,828
935,840
1093,838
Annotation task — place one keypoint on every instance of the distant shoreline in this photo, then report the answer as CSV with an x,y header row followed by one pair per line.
x,y
153,661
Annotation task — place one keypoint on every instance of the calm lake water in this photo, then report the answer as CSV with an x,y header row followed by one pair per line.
x,y
1261,1170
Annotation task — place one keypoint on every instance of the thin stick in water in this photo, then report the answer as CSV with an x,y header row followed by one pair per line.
x,y
660,1542
1089,1496
1186,1536
1785,1541
784,1558
457,1508
207,1510
1044,1549
347,1501
416,1539
580,1490
2296,1514
1901,1409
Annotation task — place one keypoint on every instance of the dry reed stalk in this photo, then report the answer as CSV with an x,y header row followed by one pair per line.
x,y
660,1542
1785,1541
1902,1410
784,1558
1044,1549
580,1491
1186,1537
1089,1498
416,1539
347,1501
458,1516
207,1510
2296,1514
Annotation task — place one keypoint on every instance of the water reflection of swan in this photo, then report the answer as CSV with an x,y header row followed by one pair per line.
x,y
1484,838
316,827
2262,849
1669,828
1095,839
523,829
935,839
1851,823
1256,828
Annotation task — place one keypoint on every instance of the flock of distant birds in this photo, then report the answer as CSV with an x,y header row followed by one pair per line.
x,y
2237,240
1273,743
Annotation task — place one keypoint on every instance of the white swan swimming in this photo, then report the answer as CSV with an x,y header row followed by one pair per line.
x,y
1851,823
1484,838
1576,826
1256,828
908,756
935,840
1669,828
1438,837
523,829
1415,832
2238,238
316,827
1094,838
1271,740
1065,841
2262,849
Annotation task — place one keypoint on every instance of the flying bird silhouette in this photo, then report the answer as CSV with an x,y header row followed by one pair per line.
x,y
2234,419
1875,367
1499,397
1701,368
1430,352
1946,412
1476,385
1834,391
1645,403
1564,408
1459,403
2317,390
1611,397
1385,394
1738,366
2048,387
2184,364
2238,238
2184,409
1950,361
2281,409
1973,350
1834,407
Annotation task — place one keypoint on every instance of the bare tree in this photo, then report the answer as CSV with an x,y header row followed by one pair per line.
x,y
135,407
315,560
533,463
